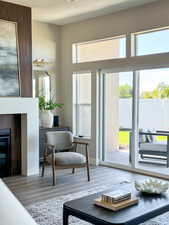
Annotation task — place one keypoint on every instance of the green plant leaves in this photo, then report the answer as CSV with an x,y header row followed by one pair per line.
x,y
48,105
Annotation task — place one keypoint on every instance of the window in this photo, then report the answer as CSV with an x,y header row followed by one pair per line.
x,y
152,42
82,104
99,50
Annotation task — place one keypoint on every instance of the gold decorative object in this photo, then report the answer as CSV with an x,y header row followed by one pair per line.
x,y
40,62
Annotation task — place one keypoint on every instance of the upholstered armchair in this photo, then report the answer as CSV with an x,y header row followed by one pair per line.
x,y
60,152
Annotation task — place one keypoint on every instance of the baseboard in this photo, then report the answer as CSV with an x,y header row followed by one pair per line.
x,y
94,162
135,170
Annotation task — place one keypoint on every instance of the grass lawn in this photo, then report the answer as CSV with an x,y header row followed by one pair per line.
x,y
124,138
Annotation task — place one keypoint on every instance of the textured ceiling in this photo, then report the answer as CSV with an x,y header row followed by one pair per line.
x,y
62,12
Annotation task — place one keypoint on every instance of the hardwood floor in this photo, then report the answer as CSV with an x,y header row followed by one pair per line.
x,y
35,188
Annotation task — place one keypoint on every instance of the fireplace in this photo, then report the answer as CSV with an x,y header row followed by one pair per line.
x,y
27,110
5,152
28,137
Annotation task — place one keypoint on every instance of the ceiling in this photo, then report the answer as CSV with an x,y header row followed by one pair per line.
x,y
62,12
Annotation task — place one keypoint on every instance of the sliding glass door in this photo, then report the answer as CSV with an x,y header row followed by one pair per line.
x,y
117,94
153,120
135,119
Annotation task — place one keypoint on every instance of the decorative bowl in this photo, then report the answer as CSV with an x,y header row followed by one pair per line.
x,y
152,186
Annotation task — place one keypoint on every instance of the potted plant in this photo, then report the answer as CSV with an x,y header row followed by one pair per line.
x,y
46,116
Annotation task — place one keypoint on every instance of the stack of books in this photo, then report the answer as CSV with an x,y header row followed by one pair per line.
x,y
116,200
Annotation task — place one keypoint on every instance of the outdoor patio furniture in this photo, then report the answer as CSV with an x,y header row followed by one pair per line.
x,y
153,149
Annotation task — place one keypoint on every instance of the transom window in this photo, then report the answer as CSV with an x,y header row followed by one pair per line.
x,y
152,42
104,49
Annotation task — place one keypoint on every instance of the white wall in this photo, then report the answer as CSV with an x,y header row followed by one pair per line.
x,y
46,45
132,20
150,16
54,43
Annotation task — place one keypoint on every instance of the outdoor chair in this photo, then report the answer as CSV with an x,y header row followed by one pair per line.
x,y
150,148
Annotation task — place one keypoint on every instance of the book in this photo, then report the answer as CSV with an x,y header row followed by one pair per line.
x,y
116,196
116,206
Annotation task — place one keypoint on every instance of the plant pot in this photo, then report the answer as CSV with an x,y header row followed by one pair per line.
x,y
46,119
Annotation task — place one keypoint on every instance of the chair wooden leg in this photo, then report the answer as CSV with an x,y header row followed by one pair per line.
x,y
44,160
43,169
87,164
88,172
53,167
73,170
54,176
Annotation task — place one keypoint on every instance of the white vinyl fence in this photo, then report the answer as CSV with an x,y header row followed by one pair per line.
x,y
153,113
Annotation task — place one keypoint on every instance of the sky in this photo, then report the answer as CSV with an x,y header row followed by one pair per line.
x,y
148,43
149,79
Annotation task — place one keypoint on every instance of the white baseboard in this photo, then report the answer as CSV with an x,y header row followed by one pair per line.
x,y
94,162
135,170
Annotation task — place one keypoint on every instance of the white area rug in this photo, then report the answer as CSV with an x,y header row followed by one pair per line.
x,y
50,212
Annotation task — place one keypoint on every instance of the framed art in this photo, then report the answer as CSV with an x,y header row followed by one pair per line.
x,y
9,60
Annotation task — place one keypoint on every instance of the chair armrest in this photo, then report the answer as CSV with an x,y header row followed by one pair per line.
x,y
49,146
80,143
154,133
48,149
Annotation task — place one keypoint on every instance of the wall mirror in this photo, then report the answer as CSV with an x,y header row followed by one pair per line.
x,y
41,84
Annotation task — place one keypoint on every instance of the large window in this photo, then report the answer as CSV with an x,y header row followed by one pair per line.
x,y
152,42
82,104
132,98
99,50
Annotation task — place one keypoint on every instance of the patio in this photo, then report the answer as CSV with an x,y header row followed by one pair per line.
x,y
121,156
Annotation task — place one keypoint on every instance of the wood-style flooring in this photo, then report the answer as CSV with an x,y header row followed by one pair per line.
x,y
35,188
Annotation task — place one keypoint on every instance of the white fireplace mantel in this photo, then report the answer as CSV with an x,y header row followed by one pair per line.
x,y
28,108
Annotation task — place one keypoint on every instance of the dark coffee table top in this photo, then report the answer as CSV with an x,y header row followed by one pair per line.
x,y
148,207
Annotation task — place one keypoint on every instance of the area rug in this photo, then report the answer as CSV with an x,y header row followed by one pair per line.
x,y
49,212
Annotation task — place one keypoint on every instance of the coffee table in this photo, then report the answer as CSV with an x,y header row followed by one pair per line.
x,y
148,207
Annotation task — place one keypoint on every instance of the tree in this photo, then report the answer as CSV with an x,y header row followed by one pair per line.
x,y
125,91
161,91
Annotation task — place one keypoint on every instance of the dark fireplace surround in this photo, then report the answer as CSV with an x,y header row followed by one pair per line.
x,y
5,152
10,145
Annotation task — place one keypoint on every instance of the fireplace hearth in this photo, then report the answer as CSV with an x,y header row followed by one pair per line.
x,y
5,152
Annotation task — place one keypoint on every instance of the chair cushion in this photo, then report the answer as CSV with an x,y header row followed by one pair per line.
x,y
157,147
67,158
